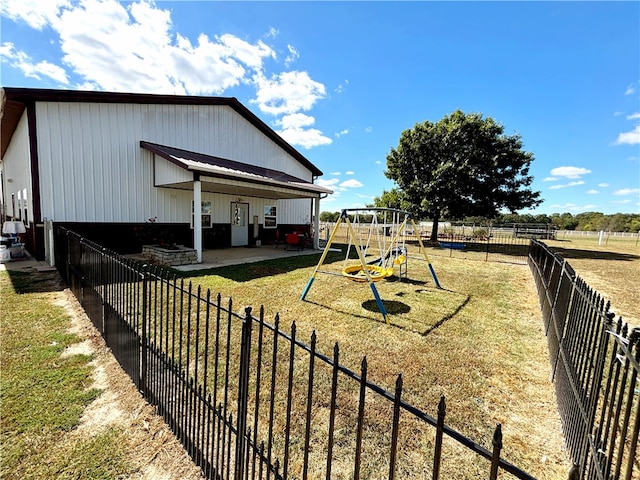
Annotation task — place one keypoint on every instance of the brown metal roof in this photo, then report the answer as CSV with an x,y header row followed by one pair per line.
x,y
15,100
218,167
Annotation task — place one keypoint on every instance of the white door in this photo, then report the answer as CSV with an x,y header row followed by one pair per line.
x,y
239,227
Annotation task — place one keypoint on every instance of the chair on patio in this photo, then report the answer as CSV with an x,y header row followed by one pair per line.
x,y
295,241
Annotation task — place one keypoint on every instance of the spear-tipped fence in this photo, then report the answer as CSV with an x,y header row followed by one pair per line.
x,y
248,399
594,361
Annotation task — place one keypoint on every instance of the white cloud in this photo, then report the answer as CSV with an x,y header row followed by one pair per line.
x,y
335,173
570,184
292,56
133,47
631,89
550,179
340,88
295,120
36,13
307,139
378,162
327,183
572,207
630,138
634,116
368,130
288,92
349,172
21,61
569,172
592,192
293,130
351,183
272,33
603,185
627,191
342,132
621,202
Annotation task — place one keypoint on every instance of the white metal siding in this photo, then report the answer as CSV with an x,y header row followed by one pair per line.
x,y
296,212
167,173
16,169
92,168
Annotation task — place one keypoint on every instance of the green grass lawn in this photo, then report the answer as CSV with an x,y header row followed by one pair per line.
x,y
43,393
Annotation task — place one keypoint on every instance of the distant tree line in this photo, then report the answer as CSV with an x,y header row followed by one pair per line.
x,y
587,221
465,169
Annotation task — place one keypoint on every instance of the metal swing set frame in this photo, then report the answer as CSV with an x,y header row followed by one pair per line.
x,y
382,267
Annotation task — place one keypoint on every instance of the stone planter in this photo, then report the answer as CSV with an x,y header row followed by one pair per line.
x,y
178,255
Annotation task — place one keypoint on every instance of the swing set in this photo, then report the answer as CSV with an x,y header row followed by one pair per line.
x,y
377,236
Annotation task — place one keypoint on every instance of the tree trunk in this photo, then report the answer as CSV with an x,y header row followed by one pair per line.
x,y
434,229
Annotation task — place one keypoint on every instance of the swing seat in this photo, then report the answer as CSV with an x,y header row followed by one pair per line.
x,y
400,259
357,274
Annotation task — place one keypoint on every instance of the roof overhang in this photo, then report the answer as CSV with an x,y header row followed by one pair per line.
x,y
221,175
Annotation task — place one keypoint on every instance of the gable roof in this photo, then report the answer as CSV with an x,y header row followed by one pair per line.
x,y
230,169
14,101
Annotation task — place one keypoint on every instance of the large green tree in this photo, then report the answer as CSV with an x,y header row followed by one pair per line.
x,y
462,165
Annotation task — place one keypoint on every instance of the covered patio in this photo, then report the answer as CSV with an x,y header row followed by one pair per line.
x,y
197,172
243,255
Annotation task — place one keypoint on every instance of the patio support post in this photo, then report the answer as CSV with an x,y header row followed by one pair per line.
x,y
197,217
316,223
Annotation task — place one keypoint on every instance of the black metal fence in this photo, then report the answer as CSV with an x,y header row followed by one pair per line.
x,y
594,361
500,246
249,400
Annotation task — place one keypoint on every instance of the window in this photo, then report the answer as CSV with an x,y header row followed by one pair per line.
x,y
270,220
207,217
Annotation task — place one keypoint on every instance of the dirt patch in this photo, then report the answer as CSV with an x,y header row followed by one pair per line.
x,y
152,448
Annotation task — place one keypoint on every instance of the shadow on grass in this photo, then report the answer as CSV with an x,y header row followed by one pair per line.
x,y
35,282
440,322
395,307
568,253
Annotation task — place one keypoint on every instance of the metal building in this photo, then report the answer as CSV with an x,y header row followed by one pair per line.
x,y
202,171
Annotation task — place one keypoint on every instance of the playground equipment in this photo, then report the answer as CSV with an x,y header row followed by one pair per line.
x,y
382,234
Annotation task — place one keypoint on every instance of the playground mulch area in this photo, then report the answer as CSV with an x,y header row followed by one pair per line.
x,y
478,341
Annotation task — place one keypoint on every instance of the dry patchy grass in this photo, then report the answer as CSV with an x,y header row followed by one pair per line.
x,y
478,341
613,269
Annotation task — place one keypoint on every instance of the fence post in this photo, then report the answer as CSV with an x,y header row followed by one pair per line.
x,y
437,454
497,447
395,429
243,393
143,340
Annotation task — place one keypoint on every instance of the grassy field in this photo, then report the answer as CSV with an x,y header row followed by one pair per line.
x,y
613,269
478,341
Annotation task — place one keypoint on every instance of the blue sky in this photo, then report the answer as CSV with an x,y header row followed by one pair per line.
x,y
341,80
